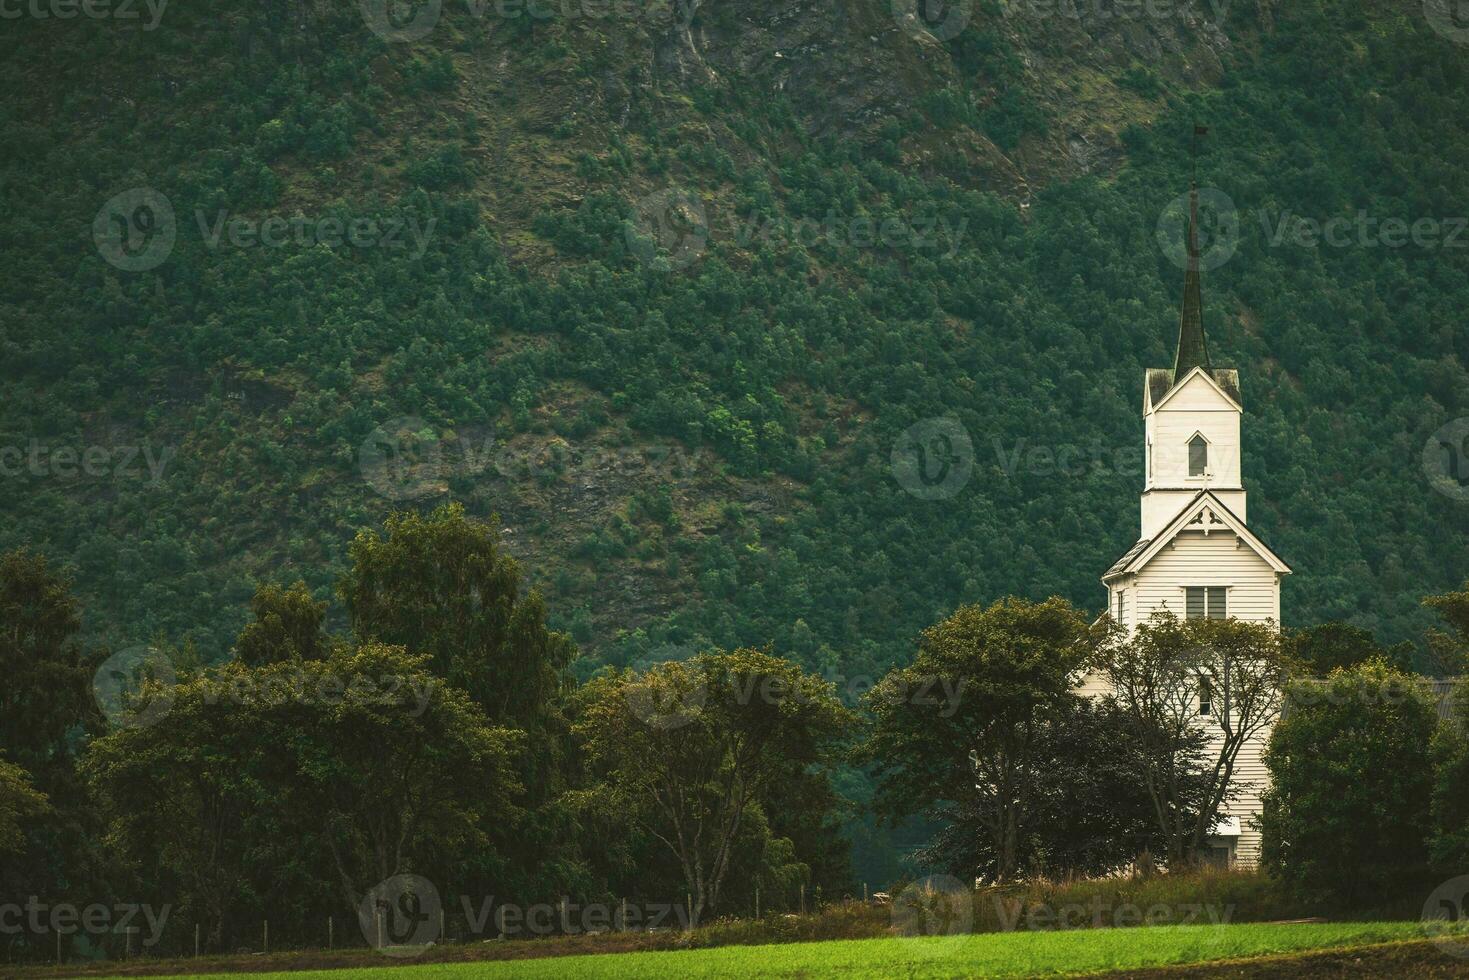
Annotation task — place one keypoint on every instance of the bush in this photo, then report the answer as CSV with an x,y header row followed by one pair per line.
x,y
1347,815
1451,787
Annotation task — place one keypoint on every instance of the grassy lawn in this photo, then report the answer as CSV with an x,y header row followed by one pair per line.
x,y
992,955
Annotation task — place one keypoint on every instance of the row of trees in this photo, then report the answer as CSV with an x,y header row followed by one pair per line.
x,y
440,733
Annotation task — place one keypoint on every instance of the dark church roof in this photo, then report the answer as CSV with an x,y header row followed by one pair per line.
x,y
1127,558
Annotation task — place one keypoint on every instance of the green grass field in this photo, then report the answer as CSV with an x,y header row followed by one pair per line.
x,y
1014,954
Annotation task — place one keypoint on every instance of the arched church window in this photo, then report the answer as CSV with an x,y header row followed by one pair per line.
x,y
1198,456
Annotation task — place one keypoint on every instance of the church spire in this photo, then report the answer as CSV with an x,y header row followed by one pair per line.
x,y
1193,350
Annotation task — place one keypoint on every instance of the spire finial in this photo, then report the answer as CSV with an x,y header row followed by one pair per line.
x,y
1193,350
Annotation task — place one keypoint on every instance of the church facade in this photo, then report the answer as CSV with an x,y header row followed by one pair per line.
x,y
1196,555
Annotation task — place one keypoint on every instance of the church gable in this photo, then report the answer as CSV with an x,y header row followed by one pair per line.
x,y
1206,515
1198,392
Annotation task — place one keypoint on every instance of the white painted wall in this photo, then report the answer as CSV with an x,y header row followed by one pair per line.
x,y
1197,407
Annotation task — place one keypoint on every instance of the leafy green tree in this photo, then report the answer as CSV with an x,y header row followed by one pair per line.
x,y
19,803
400,771
966,727
685,751
363,754
1347,813
47,691
1322,649
1451,650
441,585
1090,814
1161,676
47,712
287,626
1450,844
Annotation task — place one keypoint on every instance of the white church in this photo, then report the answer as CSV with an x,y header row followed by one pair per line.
x,y
1196,555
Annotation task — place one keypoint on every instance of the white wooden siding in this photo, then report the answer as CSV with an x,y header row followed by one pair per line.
x,y
1219,558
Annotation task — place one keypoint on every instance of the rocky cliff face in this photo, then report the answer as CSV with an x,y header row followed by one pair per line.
x,y
849,68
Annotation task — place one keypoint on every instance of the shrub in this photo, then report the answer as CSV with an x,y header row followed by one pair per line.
x,y
1347,814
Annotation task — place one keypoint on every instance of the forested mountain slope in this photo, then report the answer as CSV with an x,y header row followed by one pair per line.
x,y
662,284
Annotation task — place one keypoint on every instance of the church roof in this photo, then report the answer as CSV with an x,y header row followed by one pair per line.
x,y
1127,558
1141,553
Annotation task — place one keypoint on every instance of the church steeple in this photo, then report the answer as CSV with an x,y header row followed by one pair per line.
x,y
1193,350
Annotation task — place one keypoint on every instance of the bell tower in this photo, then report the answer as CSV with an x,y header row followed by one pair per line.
x,y
1191,414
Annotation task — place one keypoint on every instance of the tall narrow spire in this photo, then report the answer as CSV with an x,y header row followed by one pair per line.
x,y
1193,351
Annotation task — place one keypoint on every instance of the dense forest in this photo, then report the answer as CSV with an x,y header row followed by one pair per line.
x,y
664,307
